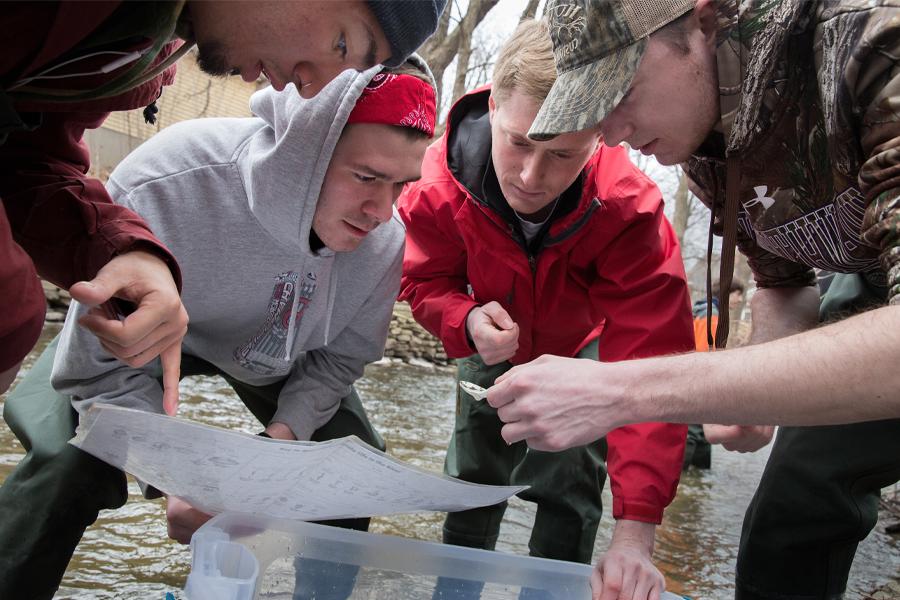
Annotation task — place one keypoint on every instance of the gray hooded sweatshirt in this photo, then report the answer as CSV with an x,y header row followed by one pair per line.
x,y
234,199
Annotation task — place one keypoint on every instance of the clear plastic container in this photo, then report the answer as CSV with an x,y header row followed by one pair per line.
x,y
241,557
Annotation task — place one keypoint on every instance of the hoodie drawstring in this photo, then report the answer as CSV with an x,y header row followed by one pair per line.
x,y
332,292
292,323
151,110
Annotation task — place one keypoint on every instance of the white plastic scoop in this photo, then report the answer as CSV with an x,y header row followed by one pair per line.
x,y
476,391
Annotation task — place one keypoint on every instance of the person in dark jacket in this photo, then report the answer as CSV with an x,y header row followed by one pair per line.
x,y
784,116
64,66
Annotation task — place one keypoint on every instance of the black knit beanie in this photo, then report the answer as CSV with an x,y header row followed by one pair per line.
x,y
406,24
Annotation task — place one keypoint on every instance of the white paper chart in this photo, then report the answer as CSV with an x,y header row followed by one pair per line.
x,y
217,470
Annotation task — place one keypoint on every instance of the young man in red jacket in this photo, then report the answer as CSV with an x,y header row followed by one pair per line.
x,y
518,248
65,65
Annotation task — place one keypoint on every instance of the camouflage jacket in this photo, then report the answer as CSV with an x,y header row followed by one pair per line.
x,y
810,102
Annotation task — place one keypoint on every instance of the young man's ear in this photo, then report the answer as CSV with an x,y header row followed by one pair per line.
x,y
706,15
492,106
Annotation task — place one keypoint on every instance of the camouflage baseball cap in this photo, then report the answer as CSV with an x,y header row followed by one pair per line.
x,y
597,45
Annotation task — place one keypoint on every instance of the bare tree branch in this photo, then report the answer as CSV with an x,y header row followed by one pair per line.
x,y
465,29
530,10
440,52
682,207
440,34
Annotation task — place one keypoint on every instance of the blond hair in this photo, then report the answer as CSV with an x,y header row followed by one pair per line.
x,y
526,62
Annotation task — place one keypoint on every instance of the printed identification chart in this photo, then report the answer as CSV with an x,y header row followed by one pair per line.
x,y
217,470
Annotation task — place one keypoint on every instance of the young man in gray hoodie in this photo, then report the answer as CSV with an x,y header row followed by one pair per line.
x,y
284,228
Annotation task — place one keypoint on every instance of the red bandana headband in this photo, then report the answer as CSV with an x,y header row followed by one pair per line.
x,y
392,99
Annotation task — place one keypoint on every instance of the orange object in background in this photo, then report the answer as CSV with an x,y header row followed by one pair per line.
x,y
700,339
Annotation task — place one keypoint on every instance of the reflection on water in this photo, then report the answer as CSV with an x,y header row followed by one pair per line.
x,y
127,554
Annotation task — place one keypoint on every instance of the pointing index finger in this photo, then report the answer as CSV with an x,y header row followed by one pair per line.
x,y
171,366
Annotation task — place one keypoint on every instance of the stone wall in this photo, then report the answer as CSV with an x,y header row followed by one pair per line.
x,y
407,340
57,302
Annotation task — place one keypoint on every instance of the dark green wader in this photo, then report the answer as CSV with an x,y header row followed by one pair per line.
x,y
56,491
818,496
566,486
697,450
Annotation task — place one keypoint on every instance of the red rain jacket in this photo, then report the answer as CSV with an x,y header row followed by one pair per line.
x,y
610,266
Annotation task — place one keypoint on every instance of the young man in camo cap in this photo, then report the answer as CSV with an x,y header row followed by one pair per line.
x,y
784,116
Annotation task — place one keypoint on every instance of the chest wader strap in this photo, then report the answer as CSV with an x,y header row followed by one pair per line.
x,y
726,261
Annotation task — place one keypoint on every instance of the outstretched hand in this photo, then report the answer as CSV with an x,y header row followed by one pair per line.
x,y
739,438
554,403
155,328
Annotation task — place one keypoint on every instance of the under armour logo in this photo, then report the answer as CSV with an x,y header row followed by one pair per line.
x,y
761,197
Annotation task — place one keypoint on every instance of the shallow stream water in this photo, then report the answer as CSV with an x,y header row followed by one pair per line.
x,y
127,554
